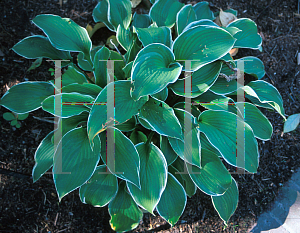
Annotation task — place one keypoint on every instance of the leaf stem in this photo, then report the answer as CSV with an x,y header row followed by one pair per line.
x,y
111,41
149,138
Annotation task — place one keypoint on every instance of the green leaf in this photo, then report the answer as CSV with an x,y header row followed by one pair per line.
x,y
33,47
167,150
202,22
200,81
72,75
133,51
100,67
26,97
124,212
119,13
189,185
172,202
141,20
127,69
74,161
14,122
248,37
35,64
153,177
65,34
119,64
227,132
71,104
153,69
232,11
43,157
213,101
184,17
128,125
253,66
122,159
125,37
199,44
206,145
182,105
9,116
100,14
118,95
162,95
163,12
83,63
100,189
189,149
18,125
137,137
161,117
145,123
226,204
291,123
84,89
213,178
260,125
152,35
203,11
22,117
265,95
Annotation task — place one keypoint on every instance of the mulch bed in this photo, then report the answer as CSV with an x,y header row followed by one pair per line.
x,y
28,207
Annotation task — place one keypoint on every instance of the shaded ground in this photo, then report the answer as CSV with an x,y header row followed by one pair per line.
x,y
28,207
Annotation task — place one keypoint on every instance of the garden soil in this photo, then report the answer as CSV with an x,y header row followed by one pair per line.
x,y
33,207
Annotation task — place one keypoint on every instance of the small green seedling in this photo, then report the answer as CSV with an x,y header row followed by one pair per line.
x,y
15,118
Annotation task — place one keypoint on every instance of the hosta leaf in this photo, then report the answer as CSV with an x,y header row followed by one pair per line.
x,y
189,149
33,47
85,89
124,212
291,123
141,20
100,189
213,178
27,96
189,185
128,125
133,51
264,95
119,64
227,132
202,22
119,13
145,123
163,12
167,150
22,117
226,204
72,75
124,107
194,110
203,11
123,161
153,69
153,177
213,101
43,157
260,125
200,81
152,35
137,137
172,202
127,69
74,161
161,117
65,34
205,144
253,66
100,66
162,95
248,37
100,14
200,44
184,17
83,63
71,104
125,37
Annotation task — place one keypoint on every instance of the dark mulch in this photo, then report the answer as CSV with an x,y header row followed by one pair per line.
x,y
28,207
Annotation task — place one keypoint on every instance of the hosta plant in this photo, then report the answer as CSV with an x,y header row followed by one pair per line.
x,y
144,125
